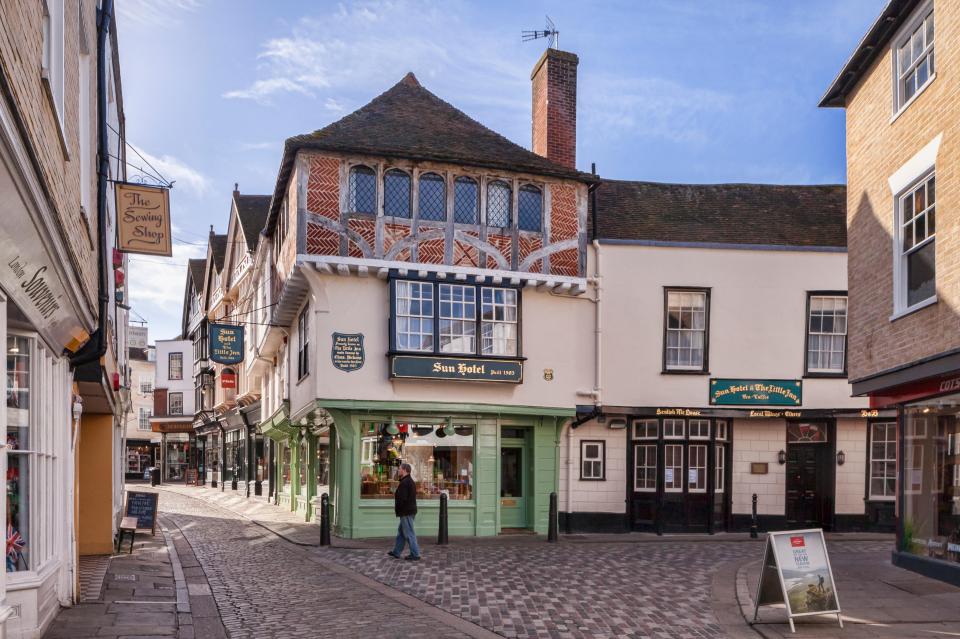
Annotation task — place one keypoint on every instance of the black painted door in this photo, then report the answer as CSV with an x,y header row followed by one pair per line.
x,y
805,485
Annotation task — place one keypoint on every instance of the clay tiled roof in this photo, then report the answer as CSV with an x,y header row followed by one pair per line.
x,y
252,212
218,246
410,122
196,267
756,214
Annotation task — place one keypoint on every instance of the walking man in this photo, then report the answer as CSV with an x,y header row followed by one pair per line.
x,y
405,507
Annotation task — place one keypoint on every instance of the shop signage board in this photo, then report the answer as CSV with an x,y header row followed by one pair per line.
x,y
191,477
226,343
756,392
456,368
796,572
143,506
228,378
143,219
347,353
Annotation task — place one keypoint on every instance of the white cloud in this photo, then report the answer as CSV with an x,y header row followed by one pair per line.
x,y
159,282
258,146
169,168
163,13
330,104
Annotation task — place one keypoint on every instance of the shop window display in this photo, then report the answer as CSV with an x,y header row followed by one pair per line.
x,y
18,458
441,456
176,460
323,464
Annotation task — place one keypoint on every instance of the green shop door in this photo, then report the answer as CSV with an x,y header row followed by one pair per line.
x,y
513,483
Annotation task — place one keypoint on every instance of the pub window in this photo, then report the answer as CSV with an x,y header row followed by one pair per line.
x,y
175,366
697,472
396,193
686,330
883,460
673,429
592,459
498,313
303,343
827,334
673,468
699,429
806,433
720,466
645,468
432,198
916,229
458,319
363,190
913,58
529,208
466,201
721,430
175,401
499,204
414,316
645,429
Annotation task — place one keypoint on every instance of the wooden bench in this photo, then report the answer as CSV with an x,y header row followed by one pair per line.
x,y
127,525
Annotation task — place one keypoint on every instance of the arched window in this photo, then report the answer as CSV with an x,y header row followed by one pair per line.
x,y
466,205
432,198
396,193
363,190
499,204
529,208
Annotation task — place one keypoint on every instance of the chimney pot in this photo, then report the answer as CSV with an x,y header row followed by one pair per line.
x,y
554,84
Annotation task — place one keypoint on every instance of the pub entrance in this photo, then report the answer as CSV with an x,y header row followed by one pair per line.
x,y
810,475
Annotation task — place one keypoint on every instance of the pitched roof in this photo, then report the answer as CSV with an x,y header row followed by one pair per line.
x,y
757,214
252,212
196,268
890,19
218,246
411,122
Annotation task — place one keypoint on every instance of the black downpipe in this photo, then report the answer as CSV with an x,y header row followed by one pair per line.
x,y
96,346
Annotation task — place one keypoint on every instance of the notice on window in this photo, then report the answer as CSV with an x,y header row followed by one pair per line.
x,y
668,476
693,475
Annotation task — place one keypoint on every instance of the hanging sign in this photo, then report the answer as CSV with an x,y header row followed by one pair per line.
x,y
796,572
456,368
347,352
143,219
756,392
228,378
226,343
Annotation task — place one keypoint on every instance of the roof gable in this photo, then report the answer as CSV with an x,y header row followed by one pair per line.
x,y
252,213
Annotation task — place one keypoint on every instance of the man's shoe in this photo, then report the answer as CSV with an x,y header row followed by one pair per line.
x,y
411,558
394,555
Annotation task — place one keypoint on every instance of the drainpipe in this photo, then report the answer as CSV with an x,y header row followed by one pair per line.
x,y
96,347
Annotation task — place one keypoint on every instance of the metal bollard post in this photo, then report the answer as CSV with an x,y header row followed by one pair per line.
x,y
552,532
753,518
442,532
325,520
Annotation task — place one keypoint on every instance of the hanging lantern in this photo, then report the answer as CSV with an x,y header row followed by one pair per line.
x,y
449,430
391,428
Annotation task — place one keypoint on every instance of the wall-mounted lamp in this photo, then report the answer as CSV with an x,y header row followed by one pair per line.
x,y
782,457
841,458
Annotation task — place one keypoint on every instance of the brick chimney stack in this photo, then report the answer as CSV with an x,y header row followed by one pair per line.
x,y
554,80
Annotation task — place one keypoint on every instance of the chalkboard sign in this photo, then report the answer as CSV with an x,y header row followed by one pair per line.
x,y
143,506
191,477
347,352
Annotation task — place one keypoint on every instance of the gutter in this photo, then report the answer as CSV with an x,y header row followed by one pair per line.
x,y
96,347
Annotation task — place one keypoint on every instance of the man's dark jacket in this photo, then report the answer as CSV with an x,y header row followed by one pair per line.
x,y
405,499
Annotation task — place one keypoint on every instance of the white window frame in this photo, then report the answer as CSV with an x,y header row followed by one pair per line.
x,y
700,424
511,344
689,332
836,300
146,386
900,270
143,419
642,427
468,322
904,35
170,403
671,432
52,62
648,469
722,427
676,486
702,453
890,429
594,462
719,465
422,317
303,343
171,357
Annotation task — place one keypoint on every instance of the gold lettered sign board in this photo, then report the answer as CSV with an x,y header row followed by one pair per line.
x,y
143,219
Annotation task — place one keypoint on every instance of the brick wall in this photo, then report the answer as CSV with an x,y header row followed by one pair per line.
x,y
554,83
21,44
159,402
877,147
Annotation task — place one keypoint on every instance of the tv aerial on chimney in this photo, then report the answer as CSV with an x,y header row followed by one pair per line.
x,y
550,32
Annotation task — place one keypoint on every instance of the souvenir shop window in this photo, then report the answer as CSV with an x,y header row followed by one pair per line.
x,y
441,457
19,389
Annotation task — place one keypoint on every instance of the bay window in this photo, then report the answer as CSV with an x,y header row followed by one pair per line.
x,y
458,319
499,321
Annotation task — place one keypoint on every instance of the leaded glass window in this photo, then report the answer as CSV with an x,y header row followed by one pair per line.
x,y
432,198
396,193
499,195
466,205
530,208
363,190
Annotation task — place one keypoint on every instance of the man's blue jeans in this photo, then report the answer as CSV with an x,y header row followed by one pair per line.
x,y
406,535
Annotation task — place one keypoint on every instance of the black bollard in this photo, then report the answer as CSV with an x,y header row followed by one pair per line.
x,y
552,533
325,520
753,518
442,532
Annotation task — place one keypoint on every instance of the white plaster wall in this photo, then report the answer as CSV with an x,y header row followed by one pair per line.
x,y
140,371
164,347
759,440
757,320
608,496
852,476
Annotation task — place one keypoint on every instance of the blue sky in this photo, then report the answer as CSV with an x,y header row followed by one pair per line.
x,y
669,90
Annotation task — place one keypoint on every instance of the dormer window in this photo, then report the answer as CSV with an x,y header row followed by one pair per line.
x,y
363,190
466,207
499,205
530,208
432,198
913,57
396,194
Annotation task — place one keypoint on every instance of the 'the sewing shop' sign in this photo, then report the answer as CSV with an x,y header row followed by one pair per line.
x,y
143,219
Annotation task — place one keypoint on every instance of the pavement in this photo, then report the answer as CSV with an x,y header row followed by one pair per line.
x,y
268,577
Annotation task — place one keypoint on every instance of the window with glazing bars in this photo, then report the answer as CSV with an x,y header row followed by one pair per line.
x,y
432,198
645,468
363,190
396,193
914,60
827,334
529,208
414,316
458,318
498,313
466,201
175,401
883,460
918,276
686,329
499,204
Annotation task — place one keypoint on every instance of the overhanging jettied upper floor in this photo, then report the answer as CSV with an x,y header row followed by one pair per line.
x,y
410,181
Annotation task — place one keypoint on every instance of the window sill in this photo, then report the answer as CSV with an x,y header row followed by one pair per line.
x,y
680,371
824,375
881,500
913,309
61,134
913,98
593,479
300,379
